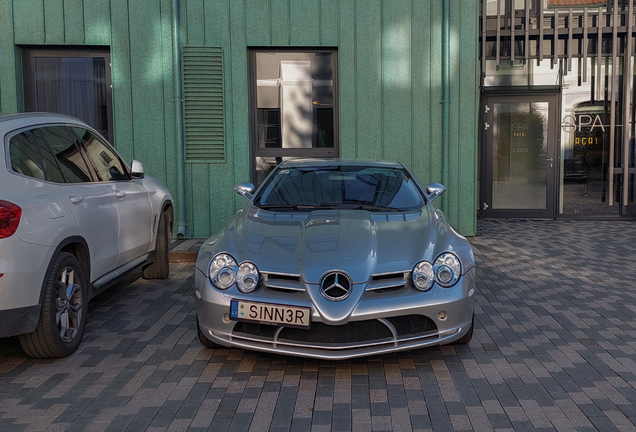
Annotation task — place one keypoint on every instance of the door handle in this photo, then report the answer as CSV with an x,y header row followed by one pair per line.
x,y
76,199
121,194
550,160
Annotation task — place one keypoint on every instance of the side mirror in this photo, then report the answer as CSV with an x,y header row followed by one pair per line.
x,y
434,190
136,170
246,190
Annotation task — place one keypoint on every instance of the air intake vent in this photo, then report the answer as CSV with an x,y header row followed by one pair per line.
x,y
203,104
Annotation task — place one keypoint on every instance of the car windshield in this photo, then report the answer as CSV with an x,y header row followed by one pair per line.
x,y
341,187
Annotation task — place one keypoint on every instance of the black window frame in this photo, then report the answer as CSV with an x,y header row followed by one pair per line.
x,y
280,153
30,53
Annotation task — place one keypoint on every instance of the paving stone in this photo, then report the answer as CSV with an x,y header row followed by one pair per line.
x,y
554,348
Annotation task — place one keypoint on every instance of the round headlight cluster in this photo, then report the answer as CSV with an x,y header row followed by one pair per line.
x,y
445,271
247,277
224,272
423,276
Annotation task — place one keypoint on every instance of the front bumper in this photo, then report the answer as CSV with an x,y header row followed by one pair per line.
x,y
379,323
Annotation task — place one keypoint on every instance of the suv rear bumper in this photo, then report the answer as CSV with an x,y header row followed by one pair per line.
x,y
19,321
22,266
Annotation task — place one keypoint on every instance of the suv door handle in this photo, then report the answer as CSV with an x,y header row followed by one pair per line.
x,y
76,199
120,194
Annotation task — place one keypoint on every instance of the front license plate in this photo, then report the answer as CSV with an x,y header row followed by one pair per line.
x,y
270,313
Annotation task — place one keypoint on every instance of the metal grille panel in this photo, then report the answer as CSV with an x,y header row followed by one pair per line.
x,y
203,104
355,332
412,325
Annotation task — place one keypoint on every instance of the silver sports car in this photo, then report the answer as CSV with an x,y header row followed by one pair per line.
x,y
334,260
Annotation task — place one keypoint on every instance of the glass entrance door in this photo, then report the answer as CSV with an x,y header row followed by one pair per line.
x,y
519,156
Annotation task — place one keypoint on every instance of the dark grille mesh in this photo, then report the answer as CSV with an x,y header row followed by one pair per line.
x,y
357,331
351,333
412,325
262,330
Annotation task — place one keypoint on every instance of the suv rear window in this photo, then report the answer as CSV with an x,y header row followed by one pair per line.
x,y
24,155
53,171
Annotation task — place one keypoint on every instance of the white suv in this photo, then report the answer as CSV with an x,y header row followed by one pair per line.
x,y
73,217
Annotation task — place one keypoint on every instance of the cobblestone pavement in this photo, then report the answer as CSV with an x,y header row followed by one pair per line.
x,y
554,349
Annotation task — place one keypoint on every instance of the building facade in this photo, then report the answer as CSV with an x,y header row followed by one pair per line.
x,y
557,109
212,93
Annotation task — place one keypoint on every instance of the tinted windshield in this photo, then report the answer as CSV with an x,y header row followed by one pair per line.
x,y
355,187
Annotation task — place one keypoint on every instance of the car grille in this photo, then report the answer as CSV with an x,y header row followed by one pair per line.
x,y
351,335
319,333
292,283
412,325
388,281
283,282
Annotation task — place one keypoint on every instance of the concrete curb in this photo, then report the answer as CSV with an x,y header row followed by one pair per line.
x,y
182,257
184,250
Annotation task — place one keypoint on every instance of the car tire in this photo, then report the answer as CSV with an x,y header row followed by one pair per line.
x,y
204,340
467,337
160,268
63,313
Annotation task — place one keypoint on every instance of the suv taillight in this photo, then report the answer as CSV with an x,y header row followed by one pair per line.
x,y
9,218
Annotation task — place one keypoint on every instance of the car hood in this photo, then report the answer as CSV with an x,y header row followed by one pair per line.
x,y
359,242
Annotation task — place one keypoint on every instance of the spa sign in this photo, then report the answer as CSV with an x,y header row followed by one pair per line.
x,y
577,123
587,128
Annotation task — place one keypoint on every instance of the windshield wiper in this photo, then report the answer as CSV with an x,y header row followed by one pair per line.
x,y
328,206
377,208
302,207
359,206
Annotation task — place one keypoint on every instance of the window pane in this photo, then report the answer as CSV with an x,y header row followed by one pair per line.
x,y
24,156
269,128
75,86
53,171
67,154
585,143
520,151
104,159
295,97
324,127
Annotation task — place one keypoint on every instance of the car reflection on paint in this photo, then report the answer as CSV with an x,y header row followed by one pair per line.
x,y
333,260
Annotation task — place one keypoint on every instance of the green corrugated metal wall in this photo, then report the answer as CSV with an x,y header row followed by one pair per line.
x,y
389,72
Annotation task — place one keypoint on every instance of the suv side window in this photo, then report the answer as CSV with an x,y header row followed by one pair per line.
x,y
105,161
24,156
53,171
68,155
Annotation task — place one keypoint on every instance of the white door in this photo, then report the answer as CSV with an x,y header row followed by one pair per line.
x,y
91,202
132,200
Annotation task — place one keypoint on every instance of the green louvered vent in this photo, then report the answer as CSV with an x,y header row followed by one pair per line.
x,y
203,104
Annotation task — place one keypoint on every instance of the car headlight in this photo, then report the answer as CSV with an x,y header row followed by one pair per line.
x,y
423,276
247,277
447,269
223,271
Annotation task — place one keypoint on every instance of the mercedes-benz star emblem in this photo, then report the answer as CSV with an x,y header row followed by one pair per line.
x,y
335,286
